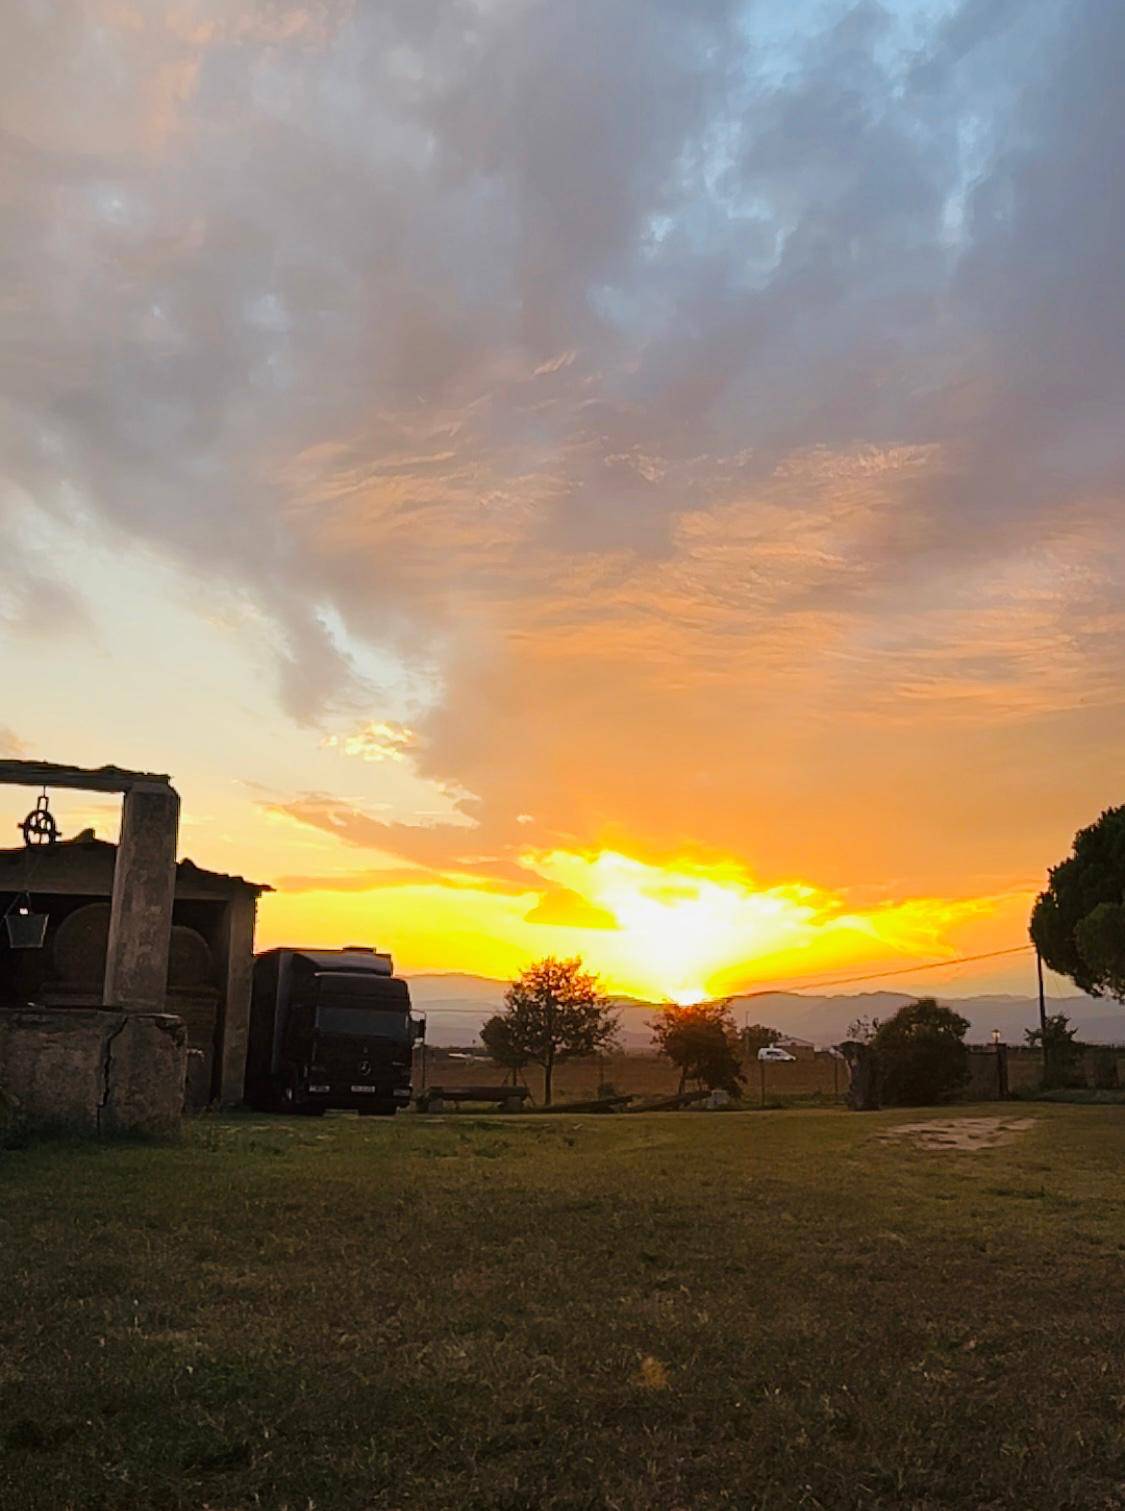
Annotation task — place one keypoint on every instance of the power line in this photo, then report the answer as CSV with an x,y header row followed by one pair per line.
x,y
902,970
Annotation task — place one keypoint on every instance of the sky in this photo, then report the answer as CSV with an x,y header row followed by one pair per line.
x,y
637,478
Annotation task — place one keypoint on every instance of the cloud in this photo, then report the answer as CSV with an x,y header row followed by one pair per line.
x,y
442,847
376,878
10,743
723,399
563,908
376,742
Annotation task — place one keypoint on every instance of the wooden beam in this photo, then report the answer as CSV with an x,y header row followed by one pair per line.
x,y
86,779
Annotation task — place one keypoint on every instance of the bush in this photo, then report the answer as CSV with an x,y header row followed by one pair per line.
x,y
921,1055
1063,1053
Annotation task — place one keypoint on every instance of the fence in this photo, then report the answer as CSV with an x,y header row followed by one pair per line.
x,y
648,1075
995,1072
998,1071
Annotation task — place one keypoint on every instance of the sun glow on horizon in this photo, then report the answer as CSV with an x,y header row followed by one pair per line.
x,y
679,930
687,932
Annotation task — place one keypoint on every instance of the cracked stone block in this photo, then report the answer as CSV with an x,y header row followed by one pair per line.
x,y
92,1070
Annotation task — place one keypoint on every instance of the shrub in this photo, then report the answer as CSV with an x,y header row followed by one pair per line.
x,y
1062,1052
921,1054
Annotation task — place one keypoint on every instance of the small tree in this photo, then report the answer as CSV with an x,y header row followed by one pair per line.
x,y
701,1040
858,1050
757,1036
920,1054
1078,922
1061,1051
496,1035
555,1011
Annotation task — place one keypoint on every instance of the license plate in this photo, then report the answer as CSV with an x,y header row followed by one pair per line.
x,y
365,1088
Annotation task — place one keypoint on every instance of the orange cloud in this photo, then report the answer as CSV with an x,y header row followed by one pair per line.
x,y
561,908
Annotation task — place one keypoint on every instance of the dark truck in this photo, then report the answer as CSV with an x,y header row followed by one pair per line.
x,y
329,1028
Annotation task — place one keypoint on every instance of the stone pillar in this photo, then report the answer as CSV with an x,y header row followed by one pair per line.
x,y
144,884
238,970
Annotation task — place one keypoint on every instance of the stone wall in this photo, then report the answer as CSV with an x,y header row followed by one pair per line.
x,y
92,1071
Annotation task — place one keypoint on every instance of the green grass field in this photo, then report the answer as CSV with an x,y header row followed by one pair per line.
x,y
777,1309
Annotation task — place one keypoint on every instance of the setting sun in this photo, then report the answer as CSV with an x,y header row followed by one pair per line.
x,y
680,931
688,931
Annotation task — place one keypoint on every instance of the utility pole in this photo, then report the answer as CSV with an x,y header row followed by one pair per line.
x,y
1042,1009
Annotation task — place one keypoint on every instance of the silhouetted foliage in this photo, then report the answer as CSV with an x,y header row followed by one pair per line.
x,y
921,1055
863,1073
1062,1054
1078,922
701,1040
496,1035
555,1011
1100,938
758,1036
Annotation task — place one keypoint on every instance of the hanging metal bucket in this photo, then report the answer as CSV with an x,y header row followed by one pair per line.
x,y
26,930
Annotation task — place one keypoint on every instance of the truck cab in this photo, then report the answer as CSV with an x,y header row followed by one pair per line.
x,y
329,1028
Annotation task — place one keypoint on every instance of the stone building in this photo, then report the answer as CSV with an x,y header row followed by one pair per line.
x,y
210,958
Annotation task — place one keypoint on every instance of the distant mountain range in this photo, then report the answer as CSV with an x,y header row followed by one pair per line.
x,y
457,1004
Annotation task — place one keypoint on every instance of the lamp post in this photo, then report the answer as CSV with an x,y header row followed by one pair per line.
x,y
1001,1066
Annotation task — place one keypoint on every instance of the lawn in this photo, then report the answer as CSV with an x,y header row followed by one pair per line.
x,y
769,1309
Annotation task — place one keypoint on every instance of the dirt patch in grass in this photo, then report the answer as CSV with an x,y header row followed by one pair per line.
x,y
962,1133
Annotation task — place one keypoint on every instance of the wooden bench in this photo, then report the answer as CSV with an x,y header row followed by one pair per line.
x,y
596,1104
436,1098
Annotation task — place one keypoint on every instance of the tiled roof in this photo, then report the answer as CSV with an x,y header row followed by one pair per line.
x,y
87,843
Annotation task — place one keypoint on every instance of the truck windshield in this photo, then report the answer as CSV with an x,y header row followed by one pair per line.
x,y
363,1021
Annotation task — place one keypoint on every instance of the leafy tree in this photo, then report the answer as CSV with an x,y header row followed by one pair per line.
x,y
758,1036
1061,1050
1100,938
920,1054
702,1041
555,1011
1078,923
496,1036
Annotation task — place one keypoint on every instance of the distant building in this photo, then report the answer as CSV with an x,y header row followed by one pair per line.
x,y
210,962
800,1049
